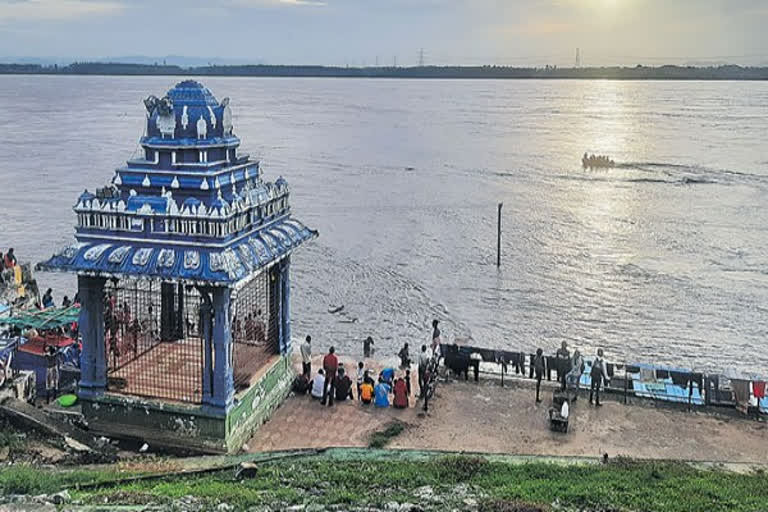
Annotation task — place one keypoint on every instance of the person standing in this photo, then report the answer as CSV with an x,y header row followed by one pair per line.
x,y
367,343
538,368
423,364
405,357
574,376
330,365
360,377
306,356
48,299
598,375
10,259
436,340
563,360
51,372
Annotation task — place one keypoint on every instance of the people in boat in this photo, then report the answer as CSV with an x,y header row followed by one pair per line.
x,y
2,262
596,161
343,386
48,299
405,357
65,303
400,400
10,259
318,384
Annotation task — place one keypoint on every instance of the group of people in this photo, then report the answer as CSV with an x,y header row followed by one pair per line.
x,y
47,302
570,368
596,161
333,382
8,260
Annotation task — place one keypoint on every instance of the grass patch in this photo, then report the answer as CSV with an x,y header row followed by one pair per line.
x,y
382,437
376,480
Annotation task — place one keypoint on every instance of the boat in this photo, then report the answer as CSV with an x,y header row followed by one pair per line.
x,y
597,162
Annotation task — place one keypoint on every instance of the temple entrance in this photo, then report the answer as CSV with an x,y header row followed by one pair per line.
x,y
255,326
153,340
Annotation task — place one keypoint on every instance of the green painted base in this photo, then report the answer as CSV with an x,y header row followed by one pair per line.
x,y
191,427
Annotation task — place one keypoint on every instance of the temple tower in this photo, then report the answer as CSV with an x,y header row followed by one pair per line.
x,y
183,267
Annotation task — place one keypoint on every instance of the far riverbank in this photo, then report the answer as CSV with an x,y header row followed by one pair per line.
x,y
639,72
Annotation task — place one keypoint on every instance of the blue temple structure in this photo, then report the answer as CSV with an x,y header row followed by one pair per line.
x,y
183,265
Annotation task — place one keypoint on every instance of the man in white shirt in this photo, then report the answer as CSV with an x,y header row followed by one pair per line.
x,y
423,365
318,385
306,356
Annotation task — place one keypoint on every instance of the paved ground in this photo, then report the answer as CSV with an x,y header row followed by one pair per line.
x,y
301,422
484,417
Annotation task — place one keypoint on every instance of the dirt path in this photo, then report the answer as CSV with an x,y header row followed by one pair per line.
x,y
484,417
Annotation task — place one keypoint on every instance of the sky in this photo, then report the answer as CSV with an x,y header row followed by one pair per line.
x,y
367,32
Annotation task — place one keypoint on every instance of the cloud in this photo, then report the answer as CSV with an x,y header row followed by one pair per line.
x,y
273,3
13,10
303,2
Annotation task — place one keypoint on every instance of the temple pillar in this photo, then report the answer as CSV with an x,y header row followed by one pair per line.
x,y
285,306
206,332
167,315
93,359
223,377
180,327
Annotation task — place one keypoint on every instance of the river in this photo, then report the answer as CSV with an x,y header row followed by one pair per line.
x,y
662,259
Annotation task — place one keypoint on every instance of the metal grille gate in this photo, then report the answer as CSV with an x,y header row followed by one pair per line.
x,y
153,340
255,326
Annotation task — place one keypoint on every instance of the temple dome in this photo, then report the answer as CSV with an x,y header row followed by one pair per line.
x,y
187,114
192,92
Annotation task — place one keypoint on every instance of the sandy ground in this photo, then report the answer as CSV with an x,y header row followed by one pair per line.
x,y
484,417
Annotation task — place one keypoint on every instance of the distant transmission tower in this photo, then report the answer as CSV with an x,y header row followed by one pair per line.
x,y
421,58
578,57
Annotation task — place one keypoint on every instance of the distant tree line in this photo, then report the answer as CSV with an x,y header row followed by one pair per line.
x,y
729,72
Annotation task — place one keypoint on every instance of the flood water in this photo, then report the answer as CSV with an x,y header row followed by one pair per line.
x,y
663,259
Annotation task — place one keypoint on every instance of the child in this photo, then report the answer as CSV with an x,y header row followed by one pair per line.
x,y
360,377
408,381
366,393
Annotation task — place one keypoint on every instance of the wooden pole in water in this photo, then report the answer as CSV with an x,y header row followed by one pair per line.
x,y
498,239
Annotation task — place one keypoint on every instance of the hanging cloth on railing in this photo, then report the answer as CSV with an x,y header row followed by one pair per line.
x,y
758,389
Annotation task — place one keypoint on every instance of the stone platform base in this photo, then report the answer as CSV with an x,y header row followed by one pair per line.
x,y
197,428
